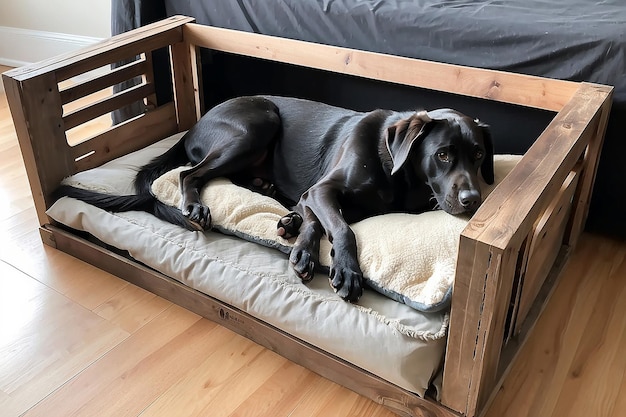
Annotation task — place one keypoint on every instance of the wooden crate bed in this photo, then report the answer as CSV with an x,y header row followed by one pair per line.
x,y
510,253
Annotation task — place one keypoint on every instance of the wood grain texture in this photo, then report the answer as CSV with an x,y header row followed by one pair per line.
x,y
523,90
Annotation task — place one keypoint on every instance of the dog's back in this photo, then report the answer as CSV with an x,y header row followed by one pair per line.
x,y
311,139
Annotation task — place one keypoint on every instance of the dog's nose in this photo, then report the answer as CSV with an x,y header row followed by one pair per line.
x,y
469,199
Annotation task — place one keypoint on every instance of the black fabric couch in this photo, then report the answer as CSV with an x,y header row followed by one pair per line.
x,y
573,40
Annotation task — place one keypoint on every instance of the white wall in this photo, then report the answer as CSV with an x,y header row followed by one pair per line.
x,y
32,30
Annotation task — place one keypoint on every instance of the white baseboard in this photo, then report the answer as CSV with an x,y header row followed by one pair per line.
x,y
24,46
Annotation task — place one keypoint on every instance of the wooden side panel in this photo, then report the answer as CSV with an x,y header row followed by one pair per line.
x,y
41,121
545,245
504,216
126,137
117,75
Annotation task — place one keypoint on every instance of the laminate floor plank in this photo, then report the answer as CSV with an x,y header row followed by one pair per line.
x,y
45,339
597,369
132,307
133,374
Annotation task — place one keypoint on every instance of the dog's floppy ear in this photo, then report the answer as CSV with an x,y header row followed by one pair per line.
x,y
402,135
486,169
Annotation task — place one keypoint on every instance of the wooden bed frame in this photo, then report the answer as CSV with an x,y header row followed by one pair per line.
x,y
510,254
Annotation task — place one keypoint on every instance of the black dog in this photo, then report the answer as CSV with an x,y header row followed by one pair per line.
x,y
336,166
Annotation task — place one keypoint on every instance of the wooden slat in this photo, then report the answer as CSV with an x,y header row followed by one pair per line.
x,y
117,48
107,105
126,137
518,89
116,76
522,264
198,85
151,100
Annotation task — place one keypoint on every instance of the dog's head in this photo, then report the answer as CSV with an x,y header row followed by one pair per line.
x,y
447,150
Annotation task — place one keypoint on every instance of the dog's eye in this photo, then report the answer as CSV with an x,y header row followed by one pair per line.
x,y
478,155
443,156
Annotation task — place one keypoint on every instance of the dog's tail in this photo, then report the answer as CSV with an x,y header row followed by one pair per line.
x,y
143,200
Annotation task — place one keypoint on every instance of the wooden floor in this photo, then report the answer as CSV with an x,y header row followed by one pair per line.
x,y
76,341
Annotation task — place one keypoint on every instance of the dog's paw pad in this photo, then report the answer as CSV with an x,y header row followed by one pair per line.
x,y
198,216
263,187
289,225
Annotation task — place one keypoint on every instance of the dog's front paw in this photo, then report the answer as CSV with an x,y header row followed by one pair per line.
x,y
347,282
289,225
198,214
303,263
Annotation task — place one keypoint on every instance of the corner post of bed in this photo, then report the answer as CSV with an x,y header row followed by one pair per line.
x,y
185,61
590,162
482,315
37,112
512,251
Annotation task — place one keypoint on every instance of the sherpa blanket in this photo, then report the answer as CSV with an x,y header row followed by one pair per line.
x,y
410,258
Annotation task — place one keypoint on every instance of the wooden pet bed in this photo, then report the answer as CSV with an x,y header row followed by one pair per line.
x,y
510,253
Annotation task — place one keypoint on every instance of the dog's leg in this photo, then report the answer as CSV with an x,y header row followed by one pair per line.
x,y
304,255
231,139
217,164
345,273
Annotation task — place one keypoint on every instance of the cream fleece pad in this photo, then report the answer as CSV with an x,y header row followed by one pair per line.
x,y
389,339
409,258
